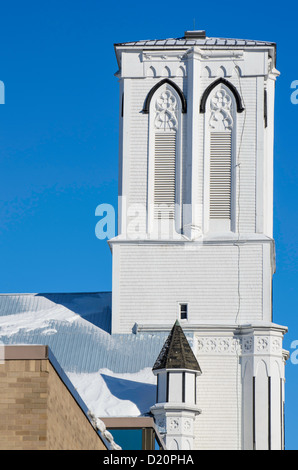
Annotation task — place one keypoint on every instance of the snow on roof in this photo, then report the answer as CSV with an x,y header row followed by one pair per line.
x,y
112,373
41,309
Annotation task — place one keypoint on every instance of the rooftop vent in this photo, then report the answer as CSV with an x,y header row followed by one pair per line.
x,y
195,34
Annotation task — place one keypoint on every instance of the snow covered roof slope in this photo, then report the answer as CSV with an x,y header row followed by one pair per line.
x,y
112,373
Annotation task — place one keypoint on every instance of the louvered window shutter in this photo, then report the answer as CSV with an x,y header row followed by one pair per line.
x,y
164,175
220,175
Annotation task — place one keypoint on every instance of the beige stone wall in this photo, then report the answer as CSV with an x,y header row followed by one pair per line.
x,y
68,427
37,411
23,404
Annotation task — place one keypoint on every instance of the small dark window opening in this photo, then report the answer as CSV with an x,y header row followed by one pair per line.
x,y
183,311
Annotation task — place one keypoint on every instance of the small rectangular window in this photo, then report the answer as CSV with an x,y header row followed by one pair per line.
x,y
183,311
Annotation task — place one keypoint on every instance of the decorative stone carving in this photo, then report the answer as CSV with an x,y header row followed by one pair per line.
x,y
161,57
262,344
218,345
166,111
210,345
247,344
187,426
239,345
181,72
221,111
223,345
276,345
173,424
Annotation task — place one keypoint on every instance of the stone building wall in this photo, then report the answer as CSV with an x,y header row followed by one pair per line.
x,y
37,410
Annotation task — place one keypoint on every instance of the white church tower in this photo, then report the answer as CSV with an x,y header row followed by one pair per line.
x,y
195,236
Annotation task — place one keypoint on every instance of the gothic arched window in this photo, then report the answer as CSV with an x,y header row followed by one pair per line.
x,y
164,173
220,106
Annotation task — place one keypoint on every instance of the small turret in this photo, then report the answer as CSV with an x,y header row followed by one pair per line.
x,y
176,369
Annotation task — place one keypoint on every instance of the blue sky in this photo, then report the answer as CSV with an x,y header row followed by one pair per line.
x,y
59,138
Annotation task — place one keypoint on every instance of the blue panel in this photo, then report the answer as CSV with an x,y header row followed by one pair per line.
x,y
128,439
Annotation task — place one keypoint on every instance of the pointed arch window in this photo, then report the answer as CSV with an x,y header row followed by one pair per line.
x,y
165,141
165,109
220,108
220,130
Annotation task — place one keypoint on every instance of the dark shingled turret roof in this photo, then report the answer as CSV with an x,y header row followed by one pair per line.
x,y
176,352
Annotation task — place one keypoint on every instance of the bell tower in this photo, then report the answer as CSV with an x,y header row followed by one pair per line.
x,y
195,231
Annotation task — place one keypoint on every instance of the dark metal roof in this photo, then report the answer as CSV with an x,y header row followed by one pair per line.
x,y
176,352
